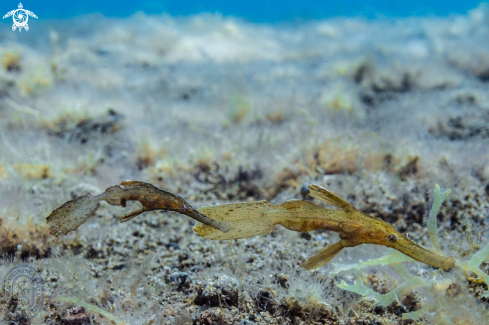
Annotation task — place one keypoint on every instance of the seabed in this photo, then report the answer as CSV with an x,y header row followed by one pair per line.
x,y
220,110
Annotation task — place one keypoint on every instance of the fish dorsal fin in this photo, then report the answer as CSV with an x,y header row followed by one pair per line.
x,y
320,193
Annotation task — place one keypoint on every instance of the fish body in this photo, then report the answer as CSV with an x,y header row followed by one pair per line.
x,y
353,226
74,213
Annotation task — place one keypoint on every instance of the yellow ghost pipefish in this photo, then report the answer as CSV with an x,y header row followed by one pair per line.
x,y
354,227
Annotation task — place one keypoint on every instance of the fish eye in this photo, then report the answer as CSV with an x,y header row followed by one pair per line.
x,y
392,238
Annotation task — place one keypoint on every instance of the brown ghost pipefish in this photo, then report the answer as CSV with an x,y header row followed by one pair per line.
x,y
354,227
72,214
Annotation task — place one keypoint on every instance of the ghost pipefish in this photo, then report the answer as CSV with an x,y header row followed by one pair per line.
x,y
353,226
72,214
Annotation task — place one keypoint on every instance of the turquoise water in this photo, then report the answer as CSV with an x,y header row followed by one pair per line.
x,y
252,10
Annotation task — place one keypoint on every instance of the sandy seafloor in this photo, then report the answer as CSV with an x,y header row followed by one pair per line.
x,y
218,110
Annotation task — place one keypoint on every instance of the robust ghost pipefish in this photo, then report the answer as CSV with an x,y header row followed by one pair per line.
x,y
72,214
353,226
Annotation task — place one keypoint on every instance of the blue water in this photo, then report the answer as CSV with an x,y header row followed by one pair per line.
x,y
252,10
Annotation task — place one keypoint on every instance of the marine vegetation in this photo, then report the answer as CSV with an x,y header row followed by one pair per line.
x,y
74,213
353,226
248,219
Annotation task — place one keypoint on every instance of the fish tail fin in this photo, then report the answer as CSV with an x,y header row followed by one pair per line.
x,y
247,220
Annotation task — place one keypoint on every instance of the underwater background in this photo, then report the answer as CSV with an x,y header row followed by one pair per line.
x,y
244,101
254,10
